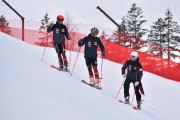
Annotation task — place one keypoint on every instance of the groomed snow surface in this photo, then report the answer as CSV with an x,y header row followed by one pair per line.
x,y
32,90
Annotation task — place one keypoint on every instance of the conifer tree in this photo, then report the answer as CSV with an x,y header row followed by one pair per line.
x,y
4,25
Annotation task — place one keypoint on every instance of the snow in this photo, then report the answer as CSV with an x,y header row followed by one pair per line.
x,y
144,49
176,53
32,90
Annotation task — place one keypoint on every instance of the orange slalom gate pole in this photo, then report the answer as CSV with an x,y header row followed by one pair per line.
x,y
120,88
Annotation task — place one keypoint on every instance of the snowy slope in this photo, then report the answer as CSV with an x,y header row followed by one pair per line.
x,y
31,90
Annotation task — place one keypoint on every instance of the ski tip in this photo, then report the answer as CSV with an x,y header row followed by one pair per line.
x,y
119,100
134,107
52,66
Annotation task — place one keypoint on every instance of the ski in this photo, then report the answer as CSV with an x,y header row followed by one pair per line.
x,y
121,101
83,81
58,68
133,106
86,83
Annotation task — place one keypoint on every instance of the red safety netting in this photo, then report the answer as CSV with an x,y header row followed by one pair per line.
x,y
151,63
114,52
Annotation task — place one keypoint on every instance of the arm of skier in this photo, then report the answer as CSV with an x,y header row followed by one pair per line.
x,y
50,28
67,34
140,73
101,47
124,69
81,42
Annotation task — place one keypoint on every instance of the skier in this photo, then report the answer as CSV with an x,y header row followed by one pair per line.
x,y
90,54
132,71
59,31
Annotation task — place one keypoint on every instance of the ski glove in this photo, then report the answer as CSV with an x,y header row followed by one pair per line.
x,y
69,38
64,50
136,83
80,42
51,24
124,76
103,54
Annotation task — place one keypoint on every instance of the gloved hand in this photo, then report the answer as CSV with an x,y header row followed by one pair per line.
x,y
69,38
136,83
51,24
80,42
124,76
64,50
103,54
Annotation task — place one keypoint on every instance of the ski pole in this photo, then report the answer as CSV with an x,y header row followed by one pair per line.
x,y
133,95
101,71
70,58
43,54
120,87
75,61
47,37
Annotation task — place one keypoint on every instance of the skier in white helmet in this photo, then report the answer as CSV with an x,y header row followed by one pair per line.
x,y
132,71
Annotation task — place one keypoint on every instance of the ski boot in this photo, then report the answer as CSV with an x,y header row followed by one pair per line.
x,y
97,83
66,67
139,105
97,86
61,67
92,83
127,100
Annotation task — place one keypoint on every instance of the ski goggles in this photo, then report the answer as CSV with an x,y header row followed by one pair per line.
x,y
132,56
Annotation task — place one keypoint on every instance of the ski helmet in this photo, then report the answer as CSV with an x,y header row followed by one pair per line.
x,y
60,17
134,55
94,31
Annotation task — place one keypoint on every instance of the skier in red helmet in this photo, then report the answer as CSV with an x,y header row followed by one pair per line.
x,y
60,31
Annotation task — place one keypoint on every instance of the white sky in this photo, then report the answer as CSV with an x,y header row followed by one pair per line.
x,y
84,11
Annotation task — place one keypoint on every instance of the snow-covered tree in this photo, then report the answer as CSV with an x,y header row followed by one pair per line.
x,y
42,30
132,25
164,36
72,29
156,37
172,32
103,35
69,23
4,25
135,23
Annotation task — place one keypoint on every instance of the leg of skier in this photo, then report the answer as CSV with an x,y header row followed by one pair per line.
x,y
126,91
58,49
64,57
89,67
96,73
97,80
60,61
138,96
65,61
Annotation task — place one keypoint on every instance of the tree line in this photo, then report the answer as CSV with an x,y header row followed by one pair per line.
x,y
162,38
